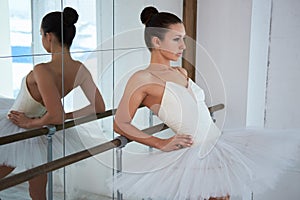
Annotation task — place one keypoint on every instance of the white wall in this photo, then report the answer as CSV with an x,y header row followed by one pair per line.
x,y
258,62
283,82
283,93
223,30
256,54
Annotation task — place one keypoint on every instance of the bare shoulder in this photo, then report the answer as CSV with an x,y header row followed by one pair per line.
x,y
80,65
81,69
42,74
141,76
40,66
42,69
141,81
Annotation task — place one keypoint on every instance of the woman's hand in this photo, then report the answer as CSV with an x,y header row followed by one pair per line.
x,y
177,142
19,119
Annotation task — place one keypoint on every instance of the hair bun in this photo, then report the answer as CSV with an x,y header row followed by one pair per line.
x,y
147,13
70,16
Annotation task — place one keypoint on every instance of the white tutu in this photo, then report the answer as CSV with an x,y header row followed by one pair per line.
x,y
242,160
218,164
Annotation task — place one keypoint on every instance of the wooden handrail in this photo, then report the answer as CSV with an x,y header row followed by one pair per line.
x,y
215,108
43,131
70,159
23,135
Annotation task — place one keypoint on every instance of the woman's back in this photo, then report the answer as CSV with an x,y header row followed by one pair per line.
x,y
70,76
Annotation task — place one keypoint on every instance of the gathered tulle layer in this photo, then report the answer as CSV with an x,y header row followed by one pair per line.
x,y
32,152
242,160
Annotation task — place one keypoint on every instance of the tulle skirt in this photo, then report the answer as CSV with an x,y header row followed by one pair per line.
x,y
32,152
242,160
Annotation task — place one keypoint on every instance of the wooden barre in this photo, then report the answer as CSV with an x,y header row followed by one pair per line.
x,y
43,131
215,108
70,159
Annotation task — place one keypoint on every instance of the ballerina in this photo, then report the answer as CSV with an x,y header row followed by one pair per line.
x,y
39,101
199,161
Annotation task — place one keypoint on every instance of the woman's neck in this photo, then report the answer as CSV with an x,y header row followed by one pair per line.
x,y
58,52
159,67
158,60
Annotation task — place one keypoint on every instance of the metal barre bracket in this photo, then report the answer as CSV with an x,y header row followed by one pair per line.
x,y
123,141
51,130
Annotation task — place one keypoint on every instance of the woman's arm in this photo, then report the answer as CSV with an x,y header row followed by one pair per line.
x,y
51,99
92,93
135,92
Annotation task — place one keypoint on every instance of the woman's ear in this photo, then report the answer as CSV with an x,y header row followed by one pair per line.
x,y
156,42
49,36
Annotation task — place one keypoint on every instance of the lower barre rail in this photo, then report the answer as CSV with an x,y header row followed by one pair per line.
x,y
70,159
56,164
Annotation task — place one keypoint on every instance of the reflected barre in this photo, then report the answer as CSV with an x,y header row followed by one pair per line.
x,y
70,159
44,131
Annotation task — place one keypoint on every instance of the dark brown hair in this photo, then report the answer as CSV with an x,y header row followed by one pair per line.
x,y
157,23
51,23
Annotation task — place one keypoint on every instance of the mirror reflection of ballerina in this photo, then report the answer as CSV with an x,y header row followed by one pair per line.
x,y
39,101
199,161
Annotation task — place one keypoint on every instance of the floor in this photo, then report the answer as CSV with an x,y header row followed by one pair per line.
x,y
20,192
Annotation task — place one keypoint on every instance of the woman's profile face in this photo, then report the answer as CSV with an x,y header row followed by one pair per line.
x,y
173,44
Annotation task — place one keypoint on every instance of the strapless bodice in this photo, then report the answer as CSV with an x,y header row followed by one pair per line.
x,y
25,103
184,110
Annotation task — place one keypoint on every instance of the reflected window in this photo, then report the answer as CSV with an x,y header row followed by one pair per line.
x,y
25,40
20,41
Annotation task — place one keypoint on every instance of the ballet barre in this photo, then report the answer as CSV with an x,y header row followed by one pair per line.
x,y
119,141
44,131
